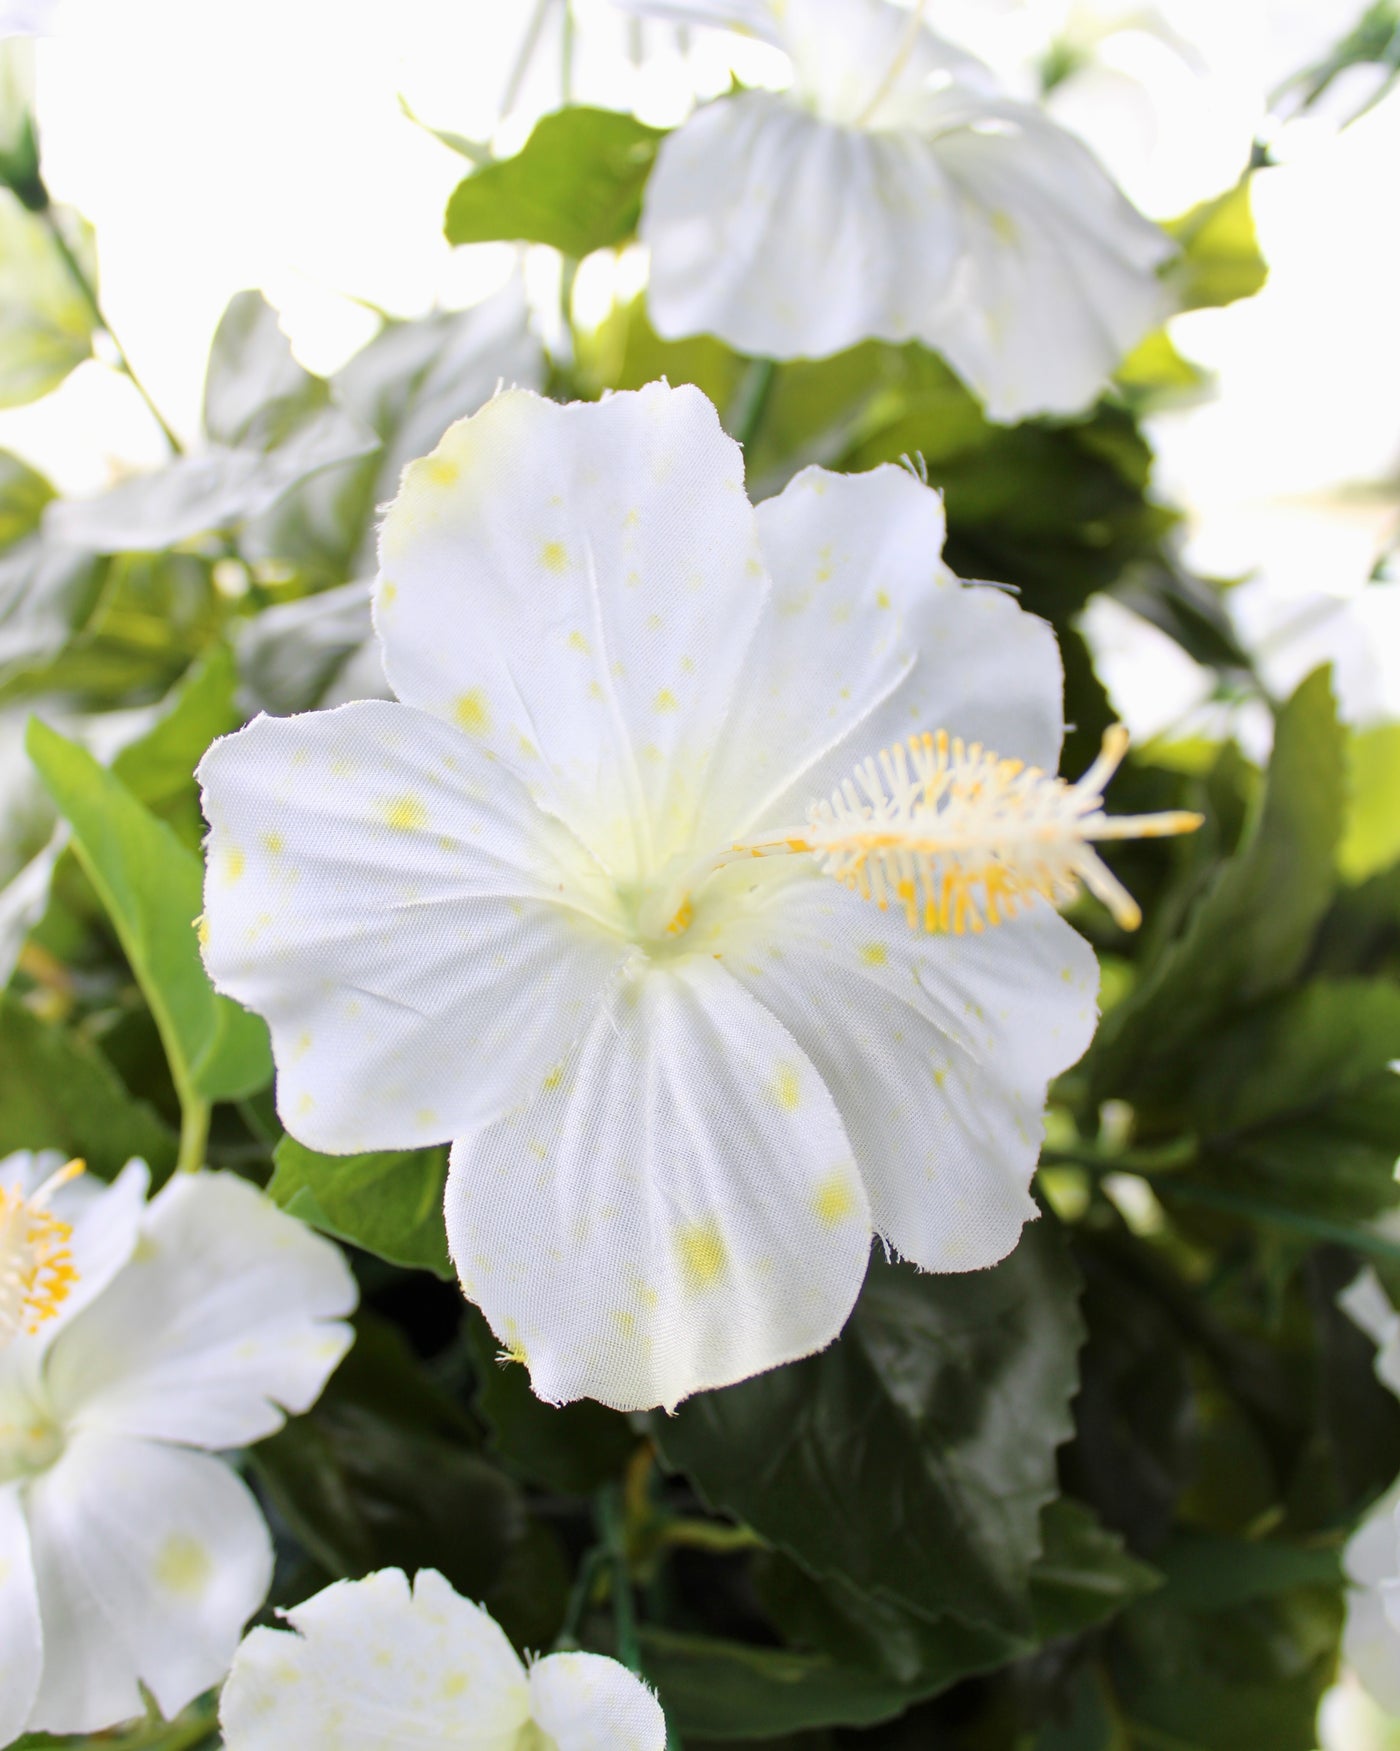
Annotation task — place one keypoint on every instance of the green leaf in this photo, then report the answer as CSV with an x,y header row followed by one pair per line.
x,y
576,183
1297,1101
1250,932
59,1092
158,767
1220,259
46,323
23,495
1372,839
914,1457
384,1471
391,1204
1084,1575
573,1448
150,886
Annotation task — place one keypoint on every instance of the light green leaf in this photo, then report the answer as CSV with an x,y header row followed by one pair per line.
x,y
1220,259
23,495
914,1457
46,323
1250,932
389,1204
59,1092
1372,839
151,888
576,183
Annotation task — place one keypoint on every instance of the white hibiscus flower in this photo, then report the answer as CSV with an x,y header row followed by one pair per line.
x,y
132,1335
400,1668
532,910
894,193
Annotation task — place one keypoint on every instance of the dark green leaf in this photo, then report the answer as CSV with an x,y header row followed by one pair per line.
x,y
1220,259
914,1457
390,1204
150,886
576,183
58,1092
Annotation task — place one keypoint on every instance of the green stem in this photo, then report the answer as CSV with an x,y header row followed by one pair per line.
x,y
566,55
751,400
194,1132
78,274
580,1597
528,44
629,1649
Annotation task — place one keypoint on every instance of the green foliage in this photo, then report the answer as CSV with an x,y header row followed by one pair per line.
x,y
1220,260
1372,839
576,183
391,1204
46,321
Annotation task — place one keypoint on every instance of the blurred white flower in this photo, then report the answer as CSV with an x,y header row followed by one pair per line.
x,y
394,1667
682,1086
1371,1635
894,193
131,1337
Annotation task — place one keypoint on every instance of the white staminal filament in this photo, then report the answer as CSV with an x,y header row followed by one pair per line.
x,y
36,1265
962,839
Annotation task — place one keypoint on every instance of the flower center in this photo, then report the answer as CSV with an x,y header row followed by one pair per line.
x,y
29,1445
36,1265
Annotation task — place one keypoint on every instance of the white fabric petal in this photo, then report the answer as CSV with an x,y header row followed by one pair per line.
x,y
1370,1638
150,1560
390,899
21,1642
229,1315
937,1051
585,1702
865,551
676,1210
1367,1305
760,18
792,237
574,588
373,1668
1058,277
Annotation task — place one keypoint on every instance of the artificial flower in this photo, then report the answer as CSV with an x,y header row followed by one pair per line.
x,y
132,1335
567,904
393,1668
895,193
1371,1635
1366,1304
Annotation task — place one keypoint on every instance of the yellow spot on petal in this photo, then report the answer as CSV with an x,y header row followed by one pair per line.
x,y
424,1117
201,930
407,813
834,1200
684,918
665,701
654,623
787,1087
625,1322
305,1104
554,556
388,594
1004,226
441,470
303,1045
528,750
700,1254
577,642
273,844
882,598
183,1566
874,954
555,1077
234,864
471,713
453,1685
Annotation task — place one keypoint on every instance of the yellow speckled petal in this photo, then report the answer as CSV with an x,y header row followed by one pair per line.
x,y
150,1559
939,1060
574,588
677,1209
374,1667
587,1703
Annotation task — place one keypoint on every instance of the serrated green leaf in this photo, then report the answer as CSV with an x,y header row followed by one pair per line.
x,y
576,183
914,1457
151,888
59,1092
389,1204
1220,259
46,323
1250,932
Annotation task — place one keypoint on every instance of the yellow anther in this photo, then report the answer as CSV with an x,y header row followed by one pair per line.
x,y
37,1273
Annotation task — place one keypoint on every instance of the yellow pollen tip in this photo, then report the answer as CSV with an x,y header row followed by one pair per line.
x,y
684,918
37,1273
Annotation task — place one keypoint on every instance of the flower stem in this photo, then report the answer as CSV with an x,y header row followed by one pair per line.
x,y
78,274
751,400
611,1514
194,1132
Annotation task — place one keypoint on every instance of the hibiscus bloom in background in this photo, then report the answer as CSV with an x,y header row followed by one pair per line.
x,y
394,1667
682,1084
131,1336
894,193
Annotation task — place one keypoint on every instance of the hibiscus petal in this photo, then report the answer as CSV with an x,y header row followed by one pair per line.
x,y
937,1051
21,1643
228,1316
585,1702
677,1209
149,1561
391,901
574,588
791,237
865,551
373,1668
